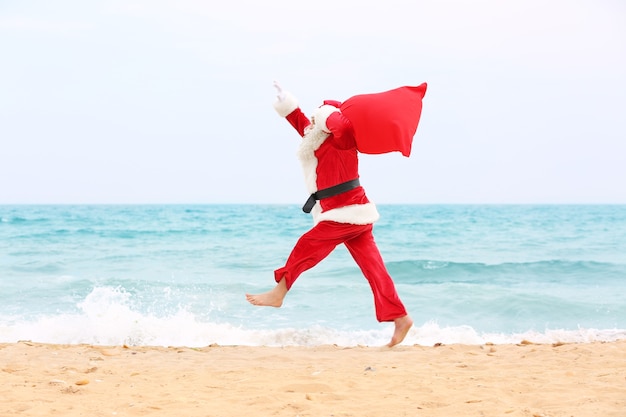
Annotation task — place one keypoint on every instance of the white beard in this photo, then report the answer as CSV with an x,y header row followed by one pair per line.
x,y
311,141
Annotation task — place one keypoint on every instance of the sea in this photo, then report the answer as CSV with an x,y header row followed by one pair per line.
x,y
177,275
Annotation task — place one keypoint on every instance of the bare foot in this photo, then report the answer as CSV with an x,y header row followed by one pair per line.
x,y
272,298
403,325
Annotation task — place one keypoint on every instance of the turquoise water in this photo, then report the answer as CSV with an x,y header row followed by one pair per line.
x,y
176,275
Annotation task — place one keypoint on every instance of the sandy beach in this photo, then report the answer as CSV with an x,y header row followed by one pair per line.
x,y
580,380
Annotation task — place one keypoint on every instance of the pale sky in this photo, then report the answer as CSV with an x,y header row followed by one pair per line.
x,y
171,101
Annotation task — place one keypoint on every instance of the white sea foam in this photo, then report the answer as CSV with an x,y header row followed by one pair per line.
x,y
106,318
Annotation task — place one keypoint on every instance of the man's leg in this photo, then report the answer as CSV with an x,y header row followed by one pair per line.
x,y
388,305
311,249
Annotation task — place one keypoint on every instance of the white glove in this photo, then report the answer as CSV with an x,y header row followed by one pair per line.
x,y
285,102
281,94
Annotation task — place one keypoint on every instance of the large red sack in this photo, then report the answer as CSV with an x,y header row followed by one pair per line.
x,y
385,122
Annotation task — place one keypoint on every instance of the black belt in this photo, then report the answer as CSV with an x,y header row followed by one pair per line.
x,y
329,192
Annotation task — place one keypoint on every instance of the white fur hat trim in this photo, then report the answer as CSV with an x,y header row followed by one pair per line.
x,y
321,115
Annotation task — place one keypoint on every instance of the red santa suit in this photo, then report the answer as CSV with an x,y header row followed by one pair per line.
x,y
329,156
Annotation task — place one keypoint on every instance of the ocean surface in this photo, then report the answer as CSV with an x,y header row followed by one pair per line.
x,y
176,275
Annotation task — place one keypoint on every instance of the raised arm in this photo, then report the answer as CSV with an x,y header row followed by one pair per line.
x,y
287,106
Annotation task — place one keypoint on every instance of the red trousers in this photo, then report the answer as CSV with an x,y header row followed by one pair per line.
x,y
319,242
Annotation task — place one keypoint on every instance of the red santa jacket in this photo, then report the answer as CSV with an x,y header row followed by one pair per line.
x,y
328,154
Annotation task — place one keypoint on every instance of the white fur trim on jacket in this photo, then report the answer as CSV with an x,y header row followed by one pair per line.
x,y
285,106
311,142
321,114
354,214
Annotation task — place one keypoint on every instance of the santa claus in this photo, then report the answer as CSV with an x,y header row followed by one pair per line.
x,y
342,214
